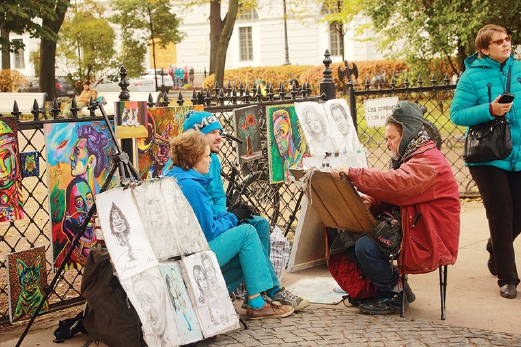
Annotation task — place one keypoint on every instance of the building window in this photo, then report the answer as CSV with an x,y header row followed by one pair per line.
x,y
248,14
246,43
334,37
19,60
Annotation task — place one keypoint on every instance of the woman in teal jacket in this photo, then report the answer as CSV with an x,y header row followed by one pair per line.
x,y
236,245
499,181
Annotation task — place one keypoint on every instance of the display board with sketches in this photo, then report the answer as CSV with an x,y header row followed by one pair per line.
x,y
27,277
78,156
287,146
328,127
155,242
208,292
248,129
170,224
11,200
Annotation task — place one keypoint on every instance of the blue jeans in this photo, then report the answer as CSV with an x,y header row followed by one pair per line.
x,y
242,257
374,264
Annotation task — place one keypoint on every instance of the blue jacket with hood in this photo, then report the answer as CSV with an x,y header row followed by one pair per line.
x,y
483,81
192,184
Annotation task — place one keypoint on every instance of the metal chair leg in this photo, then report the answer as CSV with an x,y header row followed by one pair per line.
x,y
443,288
402,308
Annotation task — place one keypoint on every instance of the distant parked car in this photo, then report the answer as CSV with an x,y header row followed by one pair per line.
x,y
110,84
63,88
162,76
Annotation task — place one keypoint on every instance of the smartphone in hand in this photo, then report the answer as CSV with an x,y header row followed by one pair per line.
x,y
506,98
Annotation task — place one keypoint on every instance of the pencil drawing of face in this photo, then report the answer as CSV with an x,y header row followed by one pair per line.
x,y
155,205
152,301
119,226
201,279
315,122
210,270
340,117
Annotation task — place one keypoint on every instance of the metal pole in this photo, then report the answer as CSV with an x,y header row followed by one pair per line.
x,y
286,48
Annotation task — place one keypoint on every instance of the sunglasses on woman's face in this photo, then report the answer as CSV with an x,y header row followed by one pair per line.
x,y
500,41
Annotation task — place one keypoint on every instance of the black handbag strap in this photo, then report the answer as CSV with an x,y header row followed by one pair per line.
x,y
508,80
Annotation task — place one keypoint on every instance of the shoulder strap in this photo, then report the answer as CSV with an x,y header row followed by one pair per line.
x,y
508,79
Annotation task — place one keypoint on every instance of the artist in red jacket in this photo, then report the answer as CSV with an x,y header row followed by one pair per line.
x,y
420,182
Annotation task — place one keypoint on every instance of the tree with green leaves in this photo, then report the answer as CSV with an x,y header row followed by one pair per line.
x,y
19,17
418,31
87,42
146,22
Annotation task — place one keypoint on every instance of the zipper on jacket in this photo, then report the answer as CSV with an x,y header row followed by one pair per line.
x,y
489,92
416,219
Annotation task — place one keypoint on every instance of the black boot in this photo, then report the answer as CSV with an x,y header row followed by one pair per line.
x,y
390,303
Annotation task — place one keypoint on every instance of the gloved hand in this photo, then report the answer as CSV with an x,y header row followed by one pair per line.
x,y
242,211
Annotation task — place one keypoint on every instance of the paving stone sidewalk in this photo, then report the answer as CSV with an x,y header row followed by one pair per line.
x,y
323,326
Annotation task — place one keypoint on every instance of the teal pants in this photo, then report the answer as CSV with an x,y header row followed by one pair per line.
x,y
242,257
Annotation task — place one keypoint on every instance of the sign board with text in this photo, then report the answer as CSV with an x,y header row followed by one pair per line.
x,y
377,110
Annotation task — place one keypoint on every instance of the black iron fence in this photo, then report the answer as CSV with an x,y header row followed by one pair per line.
x,y
280,203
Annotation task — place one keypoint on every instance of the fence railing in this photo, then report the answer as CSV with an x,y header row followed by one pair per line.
x,y
280,200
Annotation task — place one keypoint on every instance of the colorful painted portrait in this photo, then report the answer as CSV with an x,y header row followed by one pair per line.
x,y
131,119
184,313
248,129
26,281
78,162
30,163
11,201
287,144
163,124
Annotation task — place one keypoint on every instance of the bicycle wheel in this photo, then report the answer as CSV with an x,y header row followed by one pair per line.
x,y
257,191
433,132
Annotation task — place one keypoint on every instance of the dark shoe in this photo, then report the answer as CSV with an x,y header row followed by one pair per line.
x,y
358,302
269,310
492,265
286,298
508,291
408,293
384,306
264,296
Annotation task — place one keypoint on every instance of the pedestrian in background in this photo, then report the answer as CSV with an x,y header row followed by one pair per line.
x,y
476,100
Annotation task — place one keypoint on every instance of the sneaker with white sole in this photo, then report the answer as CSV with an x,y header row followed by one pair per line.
x,y
286,298
264,296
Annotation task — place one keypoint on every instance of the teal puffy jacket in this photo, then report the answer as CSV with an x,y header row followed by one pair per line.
x,y
484,80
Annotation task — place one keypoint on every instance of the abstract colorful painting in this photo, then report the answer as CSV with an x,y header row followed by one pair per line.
x,y
78,162
11,201
248,129
30,163
287,145
131,119
184,313
163,124
26,281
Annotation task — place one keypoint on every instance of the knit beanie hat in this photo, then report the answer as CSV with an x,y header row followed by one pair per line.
x,y
204,122
410,116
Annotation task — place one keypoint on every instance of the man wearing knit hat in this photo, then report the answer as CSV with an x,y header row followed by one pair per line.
x,y
209,124
420,191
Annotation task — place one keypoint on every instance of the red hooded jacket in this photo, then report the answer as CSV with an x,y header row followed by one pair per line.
x,y
425,190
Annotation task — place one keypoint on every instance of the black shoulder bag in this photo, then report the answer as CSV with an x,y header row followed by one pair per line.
x,y
489,141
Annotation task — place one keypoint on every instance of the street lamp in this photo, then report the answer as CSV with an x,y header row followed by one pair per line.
x,y
286,48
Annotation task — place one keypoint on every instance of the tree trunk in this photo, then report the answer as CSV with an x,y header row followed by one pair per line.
x,y
6,56
216,27
48,54
226,34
